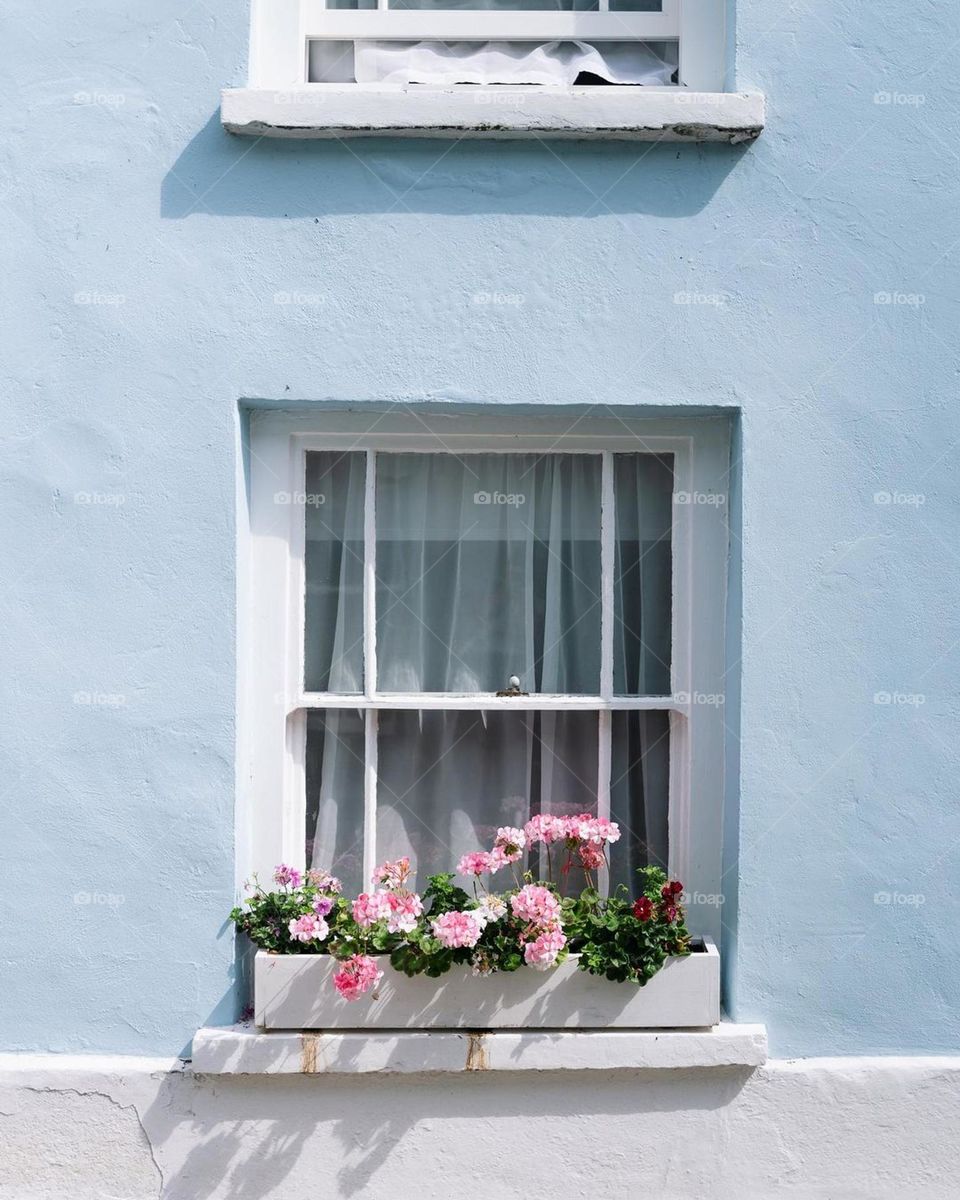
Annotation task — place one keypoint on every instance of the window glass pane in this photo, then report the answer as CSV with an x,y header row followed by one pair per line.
x,y
331,61
334,830
488,565
639,793
447,780
636,5
643,485
333,633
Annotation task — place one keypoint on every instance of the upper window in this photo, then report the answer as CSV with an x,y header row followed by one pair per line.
x,y
462,631
660,43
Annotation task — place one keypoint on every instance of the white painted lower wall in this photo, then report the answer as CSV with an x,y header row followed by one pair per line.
x,y
90,1128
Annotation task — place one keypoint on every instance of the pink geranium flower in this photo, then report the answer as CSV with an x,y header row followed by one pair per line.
x,y
392,874
370,907
405,908
455,929
509,843
535,904
587,828
542,952
543,828
357,975
308,928
324,881
287,876
477,862
498,858
591,856
604,831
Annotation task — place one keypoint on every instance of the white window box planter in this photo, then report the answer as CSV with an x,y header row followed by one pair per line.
x,y
295,991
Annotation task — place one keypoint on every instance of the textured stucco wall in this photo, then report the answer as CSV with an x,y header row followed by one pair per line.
x,y
861,1129
144,256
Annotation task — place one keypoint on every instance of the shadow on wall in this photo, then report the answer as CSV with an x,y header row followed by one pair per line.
x,y
249,1137
228,175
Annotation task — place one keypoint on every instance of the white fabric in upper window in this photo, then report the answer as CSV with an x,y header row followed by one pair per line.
x,y
558,63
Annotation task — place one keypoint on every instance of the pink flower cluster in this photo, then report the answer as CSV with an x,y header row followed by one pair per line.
x,y
507,848
582,828
324,881
535,904
290,877
287,876
456,929
393,875
311,927
543,938
477,862
542,952
357,975
391,903
400,910
591,856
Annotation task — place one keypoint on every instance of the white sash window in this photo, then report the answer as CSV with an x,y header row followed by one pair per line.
x,y
399,573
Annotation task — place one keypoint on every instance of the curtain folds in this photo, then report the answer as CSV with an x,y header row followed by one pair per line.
x,y
557,63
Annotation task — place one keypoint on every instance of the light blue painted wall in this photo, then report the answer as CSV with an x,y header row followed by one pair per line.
x,y
139,195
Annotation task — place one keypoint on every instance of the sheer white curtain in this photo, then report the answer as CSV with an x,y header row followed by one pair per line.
x,y
445,63
488,565
639,791
334,770
333,628
333,659
643,485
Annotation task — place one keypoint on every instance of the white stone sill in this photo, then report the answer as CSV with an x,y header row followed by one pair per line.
x,y
246,1050
350,110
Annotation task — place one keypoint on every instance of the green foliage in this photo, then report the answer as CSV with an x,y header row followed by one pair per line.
x,y
442,895
614,942
265,918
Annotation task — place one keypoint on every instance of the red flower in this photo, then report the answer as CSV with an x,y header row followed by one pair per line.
x,y
667,891
669,911
643,909
676,887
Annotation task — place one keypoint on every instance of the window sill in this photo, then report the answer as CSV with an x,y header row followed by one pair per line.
x,y
246,1050
639,114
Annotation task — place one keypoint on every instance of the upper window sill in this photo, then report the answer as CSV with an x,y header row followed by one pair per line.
x,y
636,113
246,1050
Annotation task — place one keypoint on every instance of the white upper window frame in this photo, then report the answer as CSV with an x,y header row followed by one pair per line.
x,y
281,31
272,702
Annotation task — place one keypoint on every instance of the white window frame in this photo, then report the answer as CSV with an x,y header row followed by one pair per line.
x,y
282,29
272,701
